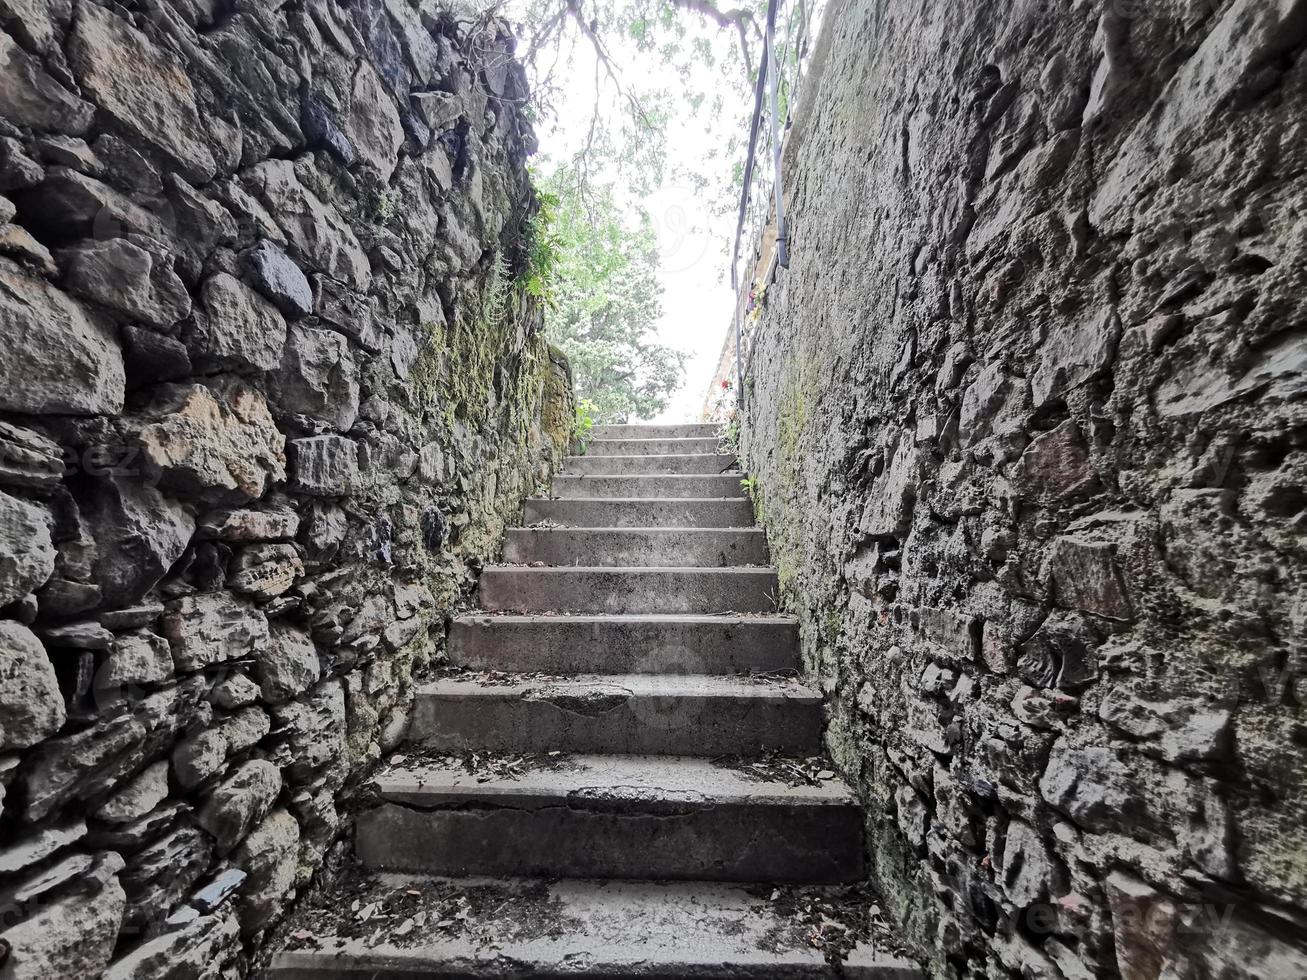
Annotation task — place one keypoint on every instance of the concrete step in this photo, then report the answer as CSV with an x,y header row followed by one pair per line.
x,y
628,590
642,512
651,447
657,644
635,714
710,462
692,430
647,485
515,927
611,816
668,547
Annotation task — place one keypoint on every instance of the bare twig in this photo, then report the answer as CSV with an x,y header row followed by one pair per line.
x,y
547,31
740,20
589,32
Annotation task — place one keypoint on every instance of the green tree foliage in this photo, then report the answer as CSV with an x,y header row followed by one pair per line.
x,y
604,300
652,64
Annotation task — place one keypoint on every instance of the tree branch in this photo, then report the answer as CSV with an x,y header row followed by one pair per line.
x,y
739,19
588,32
544,34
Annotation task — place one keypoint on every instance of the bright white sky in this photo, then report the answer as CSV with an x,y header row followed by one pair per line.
x,y
694,243
695,250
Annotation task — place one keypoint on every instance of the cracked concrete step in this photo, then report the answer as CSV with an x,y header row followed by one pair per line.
x,y
648,644
612,816
630,547
584,487
651,447
642,512
689,430
637,714
628,590
712,462
571,928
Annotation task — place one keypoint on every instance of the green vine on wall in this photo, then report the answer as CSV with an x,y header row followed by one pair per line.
x,y
585,420
544,249
753,490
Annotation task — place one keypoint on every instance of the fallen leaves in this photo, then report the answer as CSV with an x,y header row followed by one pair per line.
x,y
777,768
365,909
482,766
835,920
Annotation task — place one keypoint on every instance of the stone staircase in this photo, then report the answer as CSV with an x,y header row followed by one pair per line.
x,y
618,780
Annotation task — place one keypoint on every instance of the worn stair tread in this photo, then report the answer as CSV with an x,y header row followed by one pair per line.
x,y
612,589
641,440
635,782
652,447
640,500
775,619
624,643
612,816
682,486
683,512
768,688
569,928
674,715
694,463
637,546
710,461
654,430
740,570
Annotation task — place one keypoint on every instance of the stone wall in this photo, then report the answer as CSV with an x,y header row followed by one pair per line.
x,y
270,391
1027,412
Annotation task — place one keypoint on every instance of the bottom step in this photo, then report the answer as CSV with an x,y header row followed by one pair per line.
x,y
400,926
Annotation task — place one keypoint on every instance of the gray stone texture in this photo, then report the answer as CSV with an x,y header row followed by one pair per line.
x,y
279,279
235,328
70,936
1026,413
31,705
62,357
27,555
231,314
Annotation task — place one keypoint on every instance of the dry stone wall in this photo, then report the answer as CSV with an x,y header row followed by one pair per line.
x,y
269,392
1027,413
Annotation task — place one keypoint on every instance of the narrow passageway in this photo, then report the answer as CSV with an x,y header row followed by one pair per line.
x,y
620,774
305,303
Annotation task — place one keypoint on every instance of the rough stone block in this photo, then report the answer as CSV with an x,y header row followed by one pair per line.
x,y
142,87
317,378
71,937
324,466
217,444
31,704
27,555
240,802
235,328
204,630
29,96
61,358
279,279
